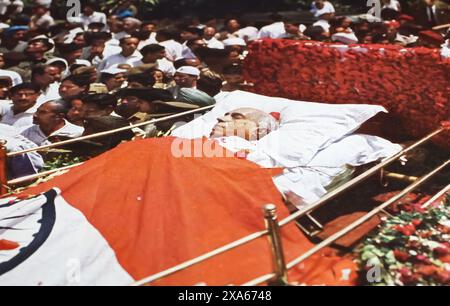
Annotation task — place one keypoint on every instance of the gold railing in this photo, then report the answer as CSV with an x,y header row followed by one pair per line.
x,y
279,276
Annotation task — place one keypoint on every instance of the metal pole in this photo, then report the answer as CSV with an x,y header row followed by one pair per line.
x,y
111,132
367,217
352,183
436,197
279,264
39,175
3,168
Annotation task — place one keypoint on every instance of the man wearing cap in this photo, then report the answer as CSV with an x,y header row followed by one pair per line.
x,y
13,39
113,77
156,54
49,122
157,103
20,113
129,54
38,47
185,77
209,36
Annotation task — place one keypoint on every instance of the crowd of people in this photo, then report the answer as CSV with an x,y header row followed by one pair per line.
x,y
61,79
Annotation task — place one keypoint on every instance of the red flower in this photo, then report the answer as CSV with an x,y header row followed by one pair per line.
x,y
442,250
401,256
423,259
416,222
406,230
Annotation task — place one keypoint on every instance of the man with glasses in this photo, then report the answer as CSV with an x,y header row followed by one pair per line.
x,y
20,113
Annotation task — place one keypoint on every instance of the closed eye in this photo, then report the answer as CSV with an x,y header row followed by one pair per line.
x,y
237,116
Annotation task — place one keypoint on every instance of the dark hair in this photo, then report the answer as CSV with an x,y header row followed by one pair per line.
x,y
91,4
102,101
152,48
145,79
315,33
80,80
180,63
107,123
168,33
26,85
193,30
210,83
191,42
38,70
67,48
91,36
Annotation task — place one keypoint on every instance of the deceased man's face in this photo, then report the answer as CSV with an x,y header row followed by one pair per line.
x,y
248,123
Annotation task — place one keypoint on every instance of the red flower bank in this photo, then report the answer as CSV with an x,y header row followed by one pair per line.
x,y
413,84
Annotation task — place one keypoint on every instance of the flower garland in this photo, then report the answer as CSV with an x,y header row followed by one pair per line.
x,y
412,84
412,248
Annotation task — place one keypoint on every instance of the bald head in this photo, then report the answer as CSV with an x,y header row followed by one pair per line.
x,y
248,123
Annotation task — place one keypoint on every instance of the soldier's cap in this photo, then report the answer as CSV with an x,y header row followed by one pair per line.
x,y
195,96
142,68
146,94
84,70
167,108
97,88
42,38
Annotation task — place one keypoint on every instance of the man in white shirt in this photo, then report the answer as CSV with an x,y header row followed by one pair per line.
x,y
185,77
90,15
174,50
44,77
20,165
41,18
320,7
98,49
155,54
129,54
20,113
274,30
49,123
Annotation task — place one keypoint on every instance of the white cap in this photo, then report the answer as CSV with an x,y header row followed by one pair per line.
x,y
346,38
236,41
189,70
113,70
